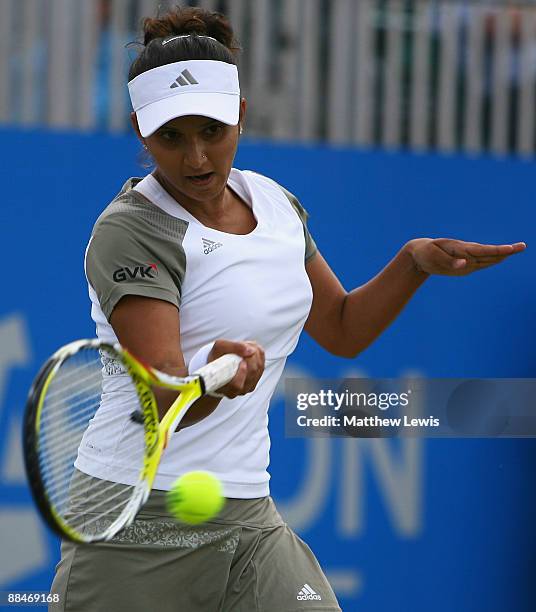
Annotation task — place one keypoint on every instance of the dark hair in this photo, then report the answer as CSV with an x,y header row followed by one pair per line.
x,y
197,22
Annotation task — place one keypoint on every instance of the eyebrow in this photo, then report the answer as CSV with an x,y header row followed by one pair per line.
x,y
204,125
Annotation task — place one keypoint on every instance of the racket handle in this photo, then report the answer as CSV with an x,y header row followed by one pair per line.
x,y
214,375
218,372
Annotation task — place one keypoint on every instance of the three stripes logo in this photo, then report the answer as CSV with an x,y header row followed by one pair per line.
x,y
184,78
308,593
210,245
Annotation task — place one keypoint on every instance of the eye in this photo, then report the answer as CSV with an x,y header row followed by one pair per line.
x,y
169,136
214,129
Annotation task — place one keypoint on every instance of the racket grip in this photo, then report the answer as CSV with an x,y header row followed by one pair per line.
x,y
218,372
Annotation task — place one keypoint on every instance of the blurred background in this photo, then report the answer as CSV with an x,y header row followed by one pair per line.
x,y
389,119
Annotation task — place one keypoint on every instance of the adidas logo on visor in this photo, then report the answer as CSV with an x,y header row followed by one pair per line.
x,y
184,78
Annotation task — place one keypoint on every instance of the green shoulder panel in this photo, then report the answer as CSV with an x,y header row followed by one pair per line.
x,y
136,249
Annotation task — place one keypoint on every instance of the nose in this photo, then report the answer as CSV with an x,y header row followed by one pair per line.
x,y
194,157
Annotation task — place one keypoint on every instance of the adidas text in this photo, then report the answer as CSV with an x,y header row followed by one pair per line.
x,y
307,593
210,245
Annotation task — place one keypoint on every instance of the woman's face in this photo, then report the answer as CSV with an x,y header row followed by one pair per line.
x,y
194,154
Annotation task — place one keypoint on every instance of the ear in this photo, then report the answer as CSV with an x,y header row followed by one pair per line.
x,y
243,109
134,121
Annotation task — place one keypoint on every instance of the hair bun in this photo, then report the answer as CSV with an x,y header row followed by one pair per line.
x,y
181,22
190,20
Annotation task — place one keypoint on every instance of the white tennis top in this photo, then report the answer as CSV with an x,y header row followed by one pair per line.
x,y
239,287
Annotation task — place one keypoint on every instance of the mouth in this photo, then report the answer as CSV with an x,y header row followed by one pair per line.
x,y
201,179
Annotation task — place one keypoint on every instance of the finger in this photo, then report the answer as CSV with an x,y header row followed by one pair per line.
x,y
489,250
442,260
224,347
253,368
486,264
254,345
451,248
253,356
520,246
255,371
459,248
474,266
490,260
244,349
259,351
234,388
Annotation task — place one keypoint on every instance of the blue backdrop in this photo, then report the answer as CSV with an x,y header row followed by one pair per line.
x,y
406,525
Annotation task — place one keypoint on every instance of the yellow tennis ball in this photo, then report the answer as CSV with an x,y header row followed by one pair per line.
x,y
195,497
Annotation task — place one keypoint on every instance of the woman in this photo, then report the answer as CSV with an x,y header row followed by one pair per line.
x,y
196,260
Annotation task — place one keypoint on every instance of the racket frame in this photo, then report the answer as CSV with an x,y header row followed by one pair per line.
x,y
156,433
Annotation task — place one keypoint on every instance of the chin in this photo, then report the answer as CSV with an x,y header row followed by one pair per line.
x,y
209,192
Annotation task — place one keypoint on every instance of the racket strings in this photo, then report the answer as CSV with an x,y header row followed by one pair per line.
x,y
59,447
78,383
85,502
89,508
74,503
70,405
59,486
56,430
52,418
50,464
125,451
58,439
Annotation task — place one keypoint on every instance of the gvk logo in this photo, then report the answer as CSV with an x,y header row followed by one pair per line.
x,y
148,270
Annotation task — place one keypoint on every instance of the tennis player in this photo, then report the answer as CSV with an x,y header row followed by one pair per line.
x,y
195,260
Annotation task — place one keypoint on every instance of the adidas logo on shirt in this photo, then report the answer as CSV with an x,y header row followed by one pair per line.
x,y
210,245
308,593
184,78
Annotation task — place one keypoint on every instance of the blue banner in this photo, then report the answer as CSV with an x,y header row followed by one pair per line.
x,y
410,525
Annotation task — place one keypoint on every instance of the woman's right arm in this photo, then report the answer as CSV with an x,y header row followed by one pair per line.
x,y
150,329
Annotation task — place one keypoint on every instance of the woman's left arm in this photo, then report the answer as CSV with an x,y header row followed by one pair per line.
x,y
346,323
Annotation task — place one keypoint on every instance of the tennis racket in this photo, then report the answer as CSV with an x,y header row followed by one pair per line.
x,y
92,436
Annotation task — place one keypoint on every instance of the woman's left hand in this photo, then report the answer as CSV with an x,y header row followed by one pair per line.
x,y
456,257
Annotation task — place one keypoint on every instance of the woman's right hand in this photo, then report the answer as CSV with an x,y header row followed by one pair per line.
x,y
250,369
150,329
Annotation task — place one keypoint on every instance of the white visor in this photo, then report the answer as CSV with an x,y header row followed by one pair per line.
x,y
194,87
